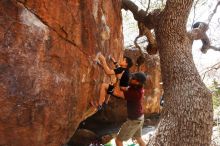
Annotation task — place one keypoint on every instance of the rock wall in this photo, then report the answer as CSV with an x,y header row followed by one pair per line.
x,y
47,71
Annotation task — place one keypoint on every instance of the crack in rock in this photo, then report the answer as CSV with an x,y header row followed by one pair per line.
x,y
32,19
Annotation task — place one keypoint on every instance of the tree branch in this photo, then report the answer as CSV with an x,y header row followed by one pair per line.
x,y
150,20
148,6
213,13
194,11
152,44
140,60
214,67
139,14
145,24
137,46
199,33
215,48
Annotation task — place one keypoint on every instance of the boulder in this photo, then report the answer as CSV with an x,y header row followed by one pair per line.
x,y
47,70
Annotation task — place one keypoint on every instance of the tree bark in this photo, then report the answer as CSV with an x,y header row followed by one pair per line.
x,y
187,116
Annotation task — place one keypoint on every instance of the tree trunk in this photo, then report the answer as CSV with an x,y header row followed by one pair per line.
x,y
187,116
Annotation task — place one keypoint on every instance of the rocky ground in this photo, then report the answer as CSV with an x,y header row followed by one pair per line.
x,y
108,132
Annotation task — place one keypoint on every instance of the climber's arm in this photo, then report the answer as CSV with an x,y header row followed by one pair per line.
x,y
114,61
118,93
106,68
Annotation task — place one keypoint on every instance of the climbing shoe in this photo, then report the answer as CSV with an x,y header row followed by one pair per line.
x,y
104,105
99,107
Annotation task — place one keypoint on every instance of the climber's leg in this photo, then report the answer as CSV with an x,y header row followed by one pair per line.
x,y
107,99
103,92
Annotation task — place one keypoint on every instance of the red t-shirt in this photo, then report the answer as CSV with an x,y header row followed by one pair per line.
x,y
134,98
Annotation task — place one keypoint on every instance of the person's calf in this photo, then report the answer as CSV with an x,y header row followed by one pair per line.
x,y
103,93
118,142
140,141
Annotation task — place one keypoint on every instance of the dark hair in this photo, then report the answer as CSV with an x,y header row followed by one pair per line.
x,y
141,77
129,62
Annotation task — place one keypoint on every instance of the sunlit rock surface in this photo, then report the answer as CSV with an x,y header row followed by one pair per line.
x,y
47,72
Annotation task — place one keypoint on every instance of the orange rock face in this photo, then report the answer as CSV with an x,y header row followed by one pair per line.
x,y
47,71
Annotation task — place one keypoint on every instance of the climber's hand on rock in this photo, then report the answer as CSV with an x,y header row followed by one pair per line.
x,y
101,58
112,59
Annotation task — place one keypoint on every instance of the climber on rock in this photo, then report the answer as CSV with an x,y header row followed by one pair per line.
x,y
122,78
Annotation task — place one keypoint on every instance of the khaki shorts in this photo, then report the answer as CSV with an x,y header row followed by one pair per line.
x,y
131,128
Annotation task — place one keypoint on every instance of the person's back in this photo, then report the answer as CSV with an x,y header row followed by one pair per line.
x,y
134,95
